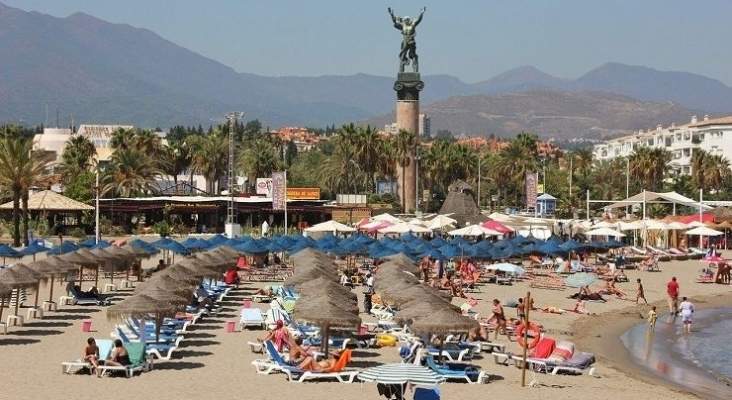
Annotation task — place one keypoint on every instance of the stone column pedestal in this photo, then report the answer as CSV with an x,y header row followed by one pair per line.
x,y
408,85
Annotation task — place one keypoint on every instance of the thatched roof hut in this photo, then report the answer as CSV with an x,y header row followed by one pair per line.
x,y
460,202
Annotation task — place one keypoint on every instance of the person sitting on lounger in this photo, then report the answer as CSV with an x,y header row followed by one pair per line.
x,y
91,354
201,298
119,356
265,291
297,353
479,334
553,310
92,293
311,364
280,336
231,277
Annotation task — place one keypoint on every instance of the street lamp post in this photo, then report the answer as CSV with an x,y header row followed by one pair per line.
x,y
627,183
416,178
479,181
97,233
232,228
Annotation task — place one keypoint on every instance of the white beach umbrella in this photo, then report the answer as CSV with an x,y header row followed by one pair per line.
x,y
404,228
474,230
386,218
604,232
676,225
653,224
703,231
629,226
440,222
695,224
605,224
508,268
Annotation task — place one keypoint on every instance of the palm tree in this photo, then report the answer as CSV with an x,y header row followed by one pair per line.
x,y
211,158
709,172
403,143
122,139
368,143
130,173
77,157
259,160
514,161
20,168
338,173
174,159
649,166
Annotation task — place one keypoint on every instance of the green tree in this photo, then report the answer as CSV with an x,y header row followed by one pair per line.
x,y
20,168
130,173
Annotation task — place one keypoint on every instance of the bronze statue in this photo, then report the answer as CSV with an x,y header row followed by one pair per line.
x,y
408,54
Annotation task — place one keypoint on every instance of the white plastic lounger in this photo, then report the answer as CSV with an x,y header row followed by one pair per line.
x,y
251,317
105,348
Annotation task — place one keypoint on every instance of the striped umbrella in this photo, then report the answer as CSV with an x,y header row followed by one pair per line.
x,y
580,279
401,373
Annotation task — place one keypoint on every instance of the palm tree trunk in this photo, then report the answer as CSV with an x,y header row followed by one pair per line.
x,y
404,188
16,217
26,216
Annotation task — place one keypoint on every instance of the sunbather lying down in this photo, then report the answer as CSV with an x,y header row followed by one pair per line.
x,y
327,365
553,310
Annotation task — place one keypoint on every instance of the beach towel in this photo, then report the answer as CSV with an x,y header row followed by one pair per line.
x,y
545,348
562,352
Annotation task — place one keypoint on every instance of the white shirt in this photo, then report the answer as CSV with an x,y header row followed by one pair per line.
x,y
686,308
370,281
344,279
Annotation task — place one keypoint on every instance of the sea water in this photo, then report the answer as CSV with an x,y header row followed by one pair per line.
x,y
698,361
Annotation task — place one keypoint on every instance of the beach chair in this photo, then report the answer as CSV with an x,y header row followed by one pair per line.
x,y
138,361
276,363
452,352
459,372
251,317
551,283
105,348
425,393
77,298
276,314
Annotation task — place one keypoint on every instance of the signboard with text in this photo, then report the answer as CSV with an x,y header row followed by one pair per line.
x,y
264,186
279,190
303,193
530,186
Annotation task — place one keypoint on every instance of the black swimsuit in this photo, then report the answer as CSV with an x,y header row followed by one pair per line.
x,y
124,359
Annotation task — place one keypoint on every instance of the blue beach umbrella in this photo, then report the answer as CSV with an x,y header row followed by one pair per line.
x,y
33,249
613,243
102,244
170,245
218,239
88,242
7,251
251,247
437,242
63,248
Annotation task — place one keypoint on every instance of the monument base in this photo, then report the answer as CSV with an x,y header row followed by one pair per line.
x,y
408,85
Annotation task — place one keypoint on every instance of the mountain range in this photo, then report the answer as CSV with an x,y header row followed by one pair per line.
x,y
107,73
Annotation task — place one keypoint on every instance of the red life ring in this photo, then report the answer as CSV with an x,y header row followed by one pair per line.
x,y
520,334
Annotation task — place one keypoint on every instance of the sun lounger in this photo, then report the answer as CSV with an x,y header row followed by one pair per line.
x,y
78,298
548,283
251,317
277,364
138,361
460,372
452,352
105,348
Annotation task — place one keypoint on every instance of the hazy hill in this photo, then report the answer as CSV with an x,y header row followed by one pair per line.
x,y
114,73
548,114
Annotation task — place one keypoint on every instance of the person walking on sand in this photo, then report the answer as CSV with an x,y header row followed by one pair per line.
x,y
652,318
639,293
672,288
686,308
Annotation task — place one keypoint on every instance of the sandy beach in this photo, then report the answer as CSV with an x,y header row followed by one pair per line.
x,y
217,364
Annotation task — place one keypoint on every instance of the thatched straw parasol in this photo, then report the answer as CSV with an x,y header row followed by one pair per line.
x,y
305,276
48,267
179,274
399,258
401,296
443,322
420,310
327,314
164,282
17,279
38,275
325,286
140,306
194,267
5,291
78,258
227,251
163,296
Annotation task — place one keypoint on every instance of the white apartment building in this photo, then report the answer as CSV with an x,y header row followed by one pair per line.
x,y
712,135
425,126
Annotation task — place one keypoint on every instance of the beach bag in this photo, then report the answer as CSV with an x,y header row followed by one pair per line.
x,y
511,303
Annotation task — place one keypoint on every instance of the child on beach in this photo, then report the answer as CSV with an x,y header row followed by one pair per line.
x,y
652,318
639,293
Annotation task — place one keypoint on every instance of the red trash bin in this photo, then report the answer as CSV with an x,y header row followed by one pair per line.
x,y
230,326
86,325
247,303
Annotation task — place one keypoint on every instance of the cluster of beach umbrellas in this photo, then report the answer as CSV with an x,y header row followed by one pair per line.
x,y
322,300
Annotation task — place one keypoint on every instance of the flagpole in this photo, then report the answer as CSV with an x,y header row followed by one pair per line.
x,y
285,202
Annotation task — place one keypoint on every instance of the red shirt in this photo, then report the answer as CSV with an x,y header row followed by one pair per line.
x,y
673,289
231,276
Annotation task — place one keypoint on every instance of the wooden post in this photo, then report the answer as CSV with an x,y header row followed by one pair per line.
x,y
527,307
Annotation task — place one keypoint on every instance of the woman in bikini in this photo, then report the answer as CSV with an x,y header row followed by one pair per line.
x,y
311,364
499,318
91,354
119,356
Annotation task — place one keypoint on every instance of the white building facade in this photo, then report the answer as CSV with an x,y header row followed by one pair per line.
x,y
711,135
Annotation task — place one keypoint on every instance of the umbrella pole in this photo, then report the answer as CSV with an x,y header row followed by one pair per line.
x,y
2,306
442,344
526,339
111,273
17,300
96,277
38,290
50,295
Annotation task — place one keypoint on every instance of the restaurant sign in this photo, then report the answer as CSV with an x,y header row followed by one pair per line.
x,y
303,193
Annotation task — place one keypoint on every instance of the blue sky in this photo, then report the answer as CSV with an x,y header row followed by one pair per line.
x,y
471,39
